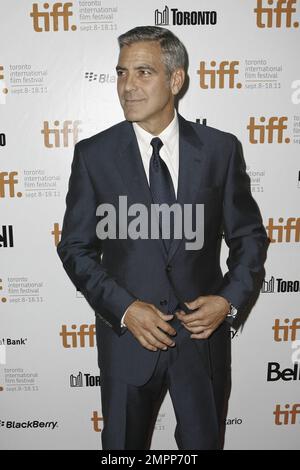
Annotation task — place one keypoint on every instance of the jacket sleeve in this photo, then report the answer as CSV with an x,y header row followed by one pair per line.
x,y
244,234
80,249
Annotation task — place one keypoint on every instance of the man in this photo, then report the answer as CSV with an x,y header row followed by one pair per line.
x,y
162,311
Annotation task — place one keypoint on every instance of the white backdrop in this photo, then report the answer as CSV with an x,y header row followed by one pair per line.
x,y
57,86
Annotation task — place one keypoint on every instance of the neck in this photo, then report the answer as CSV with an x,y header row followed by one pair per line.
x,y
156,125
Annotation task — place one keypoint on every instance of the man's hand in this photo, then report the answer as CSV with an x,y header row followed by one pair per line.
x,y
145,321
210,312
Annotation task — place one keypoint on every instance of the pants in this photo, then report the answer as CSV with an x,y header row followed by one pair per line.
x,y
130,412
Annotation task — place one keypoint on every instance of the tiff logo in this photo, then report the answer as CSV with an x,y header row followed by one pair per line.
x,y
282,11
6,237
8,179
215,77
96,420
56,232
49,20
52,136
272,130
286,330
292,226
287,415
82,338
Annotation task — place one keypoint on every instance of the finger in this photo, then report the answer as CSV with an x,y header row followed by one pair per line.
x,y
195,303
146,344
166,328
196,329
154,341
164,316
203,335
160,336
203,323
188,317
202,315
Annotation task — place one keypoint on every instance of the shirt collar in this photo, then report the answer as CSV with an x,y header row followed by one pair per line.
x,y
166,135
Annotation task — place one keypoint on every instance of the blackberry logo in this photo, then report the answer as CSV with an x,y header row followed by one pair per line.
x,y
29,424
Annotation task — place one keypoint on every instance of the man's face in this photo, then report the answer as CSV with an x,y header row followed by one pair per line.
x,y
143,87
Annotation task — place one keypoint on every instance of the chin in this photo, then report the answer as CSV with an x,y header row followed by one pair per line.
x,y
133,116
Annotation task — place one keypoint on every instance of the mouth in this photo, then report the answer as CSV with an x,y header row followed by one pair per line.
x,y
132,101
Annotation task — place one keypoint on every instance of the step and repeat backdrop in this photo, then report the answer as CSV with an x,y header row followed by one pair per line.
x,y
58,86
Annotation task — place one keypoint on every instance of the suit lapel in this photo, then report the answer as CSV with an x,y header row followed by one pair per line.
x,y
190,160
132,171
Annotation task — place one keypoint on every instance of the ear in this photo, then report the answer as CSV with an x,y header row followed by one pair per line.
x,y
177,80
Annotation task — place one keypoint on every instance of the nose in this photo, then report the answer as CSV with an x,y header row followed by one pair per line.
x,y
130,83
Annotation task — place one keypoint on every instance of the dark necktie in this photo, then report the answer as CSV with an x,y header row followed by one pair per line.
x,y
161,185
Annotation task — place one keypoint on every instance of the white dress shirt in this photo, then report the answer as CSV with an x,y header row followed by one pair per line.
x,y
169,153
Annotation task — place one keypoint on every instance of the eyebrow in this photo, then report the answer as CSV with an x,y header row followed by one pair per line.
x,y
139,67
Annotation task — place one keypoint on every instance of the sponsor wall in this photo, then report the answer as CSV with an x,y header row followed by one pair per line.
x,y
58,86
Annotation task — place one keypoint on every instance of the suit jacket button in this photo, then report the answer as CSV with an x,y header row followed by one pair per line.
x,y
168,268
163,302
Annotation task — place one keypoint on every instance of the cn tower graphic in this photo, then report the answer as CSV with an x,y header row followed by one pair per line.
x,y
268,286
162,17
76,381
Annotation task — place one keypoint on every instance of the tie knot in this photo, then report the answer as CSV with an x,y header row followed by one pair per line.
x,y
156,144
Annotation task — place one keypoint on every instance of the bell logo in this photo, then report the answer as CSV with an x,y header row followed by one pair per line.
x,y
283,231
215,77
8,180
83,338
52,136
49,20
286,330
273,127
288,415
96,420
281,10
274,372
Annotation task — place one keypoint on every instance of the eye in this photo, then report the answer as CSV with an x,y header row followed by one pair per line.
x,y
120,73
145,72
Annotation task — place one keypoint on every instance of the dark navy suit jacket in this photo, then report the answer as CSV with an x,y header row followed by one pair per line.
x,y
112,273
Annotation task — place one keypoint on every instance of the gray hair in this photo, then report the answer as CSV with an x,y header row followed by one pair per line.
x,y
174,54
